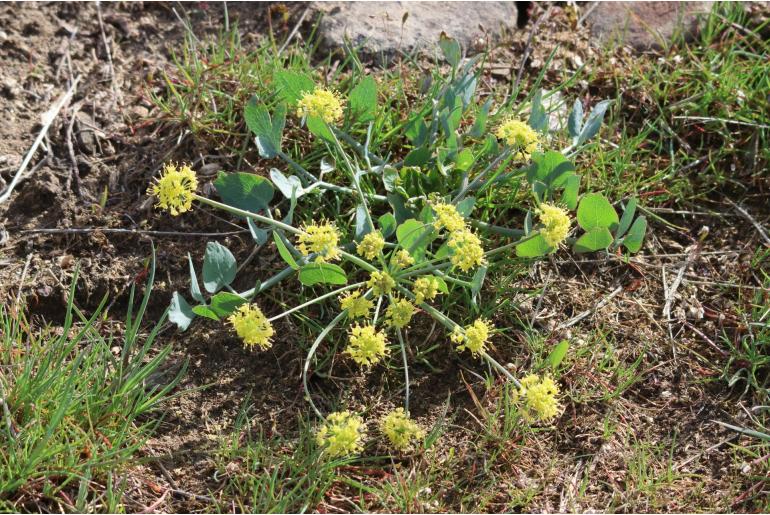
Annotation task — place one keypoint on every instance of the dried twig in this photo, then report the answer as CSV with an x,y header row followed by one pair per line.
x,y
293,32
48,120
751,219
574,320
89,230
74,172
106,49
528,47
23,277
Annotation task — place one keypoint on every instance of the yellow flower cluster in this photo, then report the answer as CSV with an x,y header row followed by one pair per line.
x,y
402,259
323,239
356,305
341,434
448,217
474,337
252,326
467,250
400,429
367,346
399,313
371,245
175,188
540,397
425,288
556,224
381,283
521,137
321,103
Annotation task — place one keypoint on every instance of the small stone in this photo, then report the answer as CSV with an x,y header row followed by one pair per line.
x,y
643,25
385,29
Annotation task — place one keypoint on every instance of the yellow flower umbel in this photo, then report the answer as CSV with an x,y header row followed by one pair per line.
x,y
356,305
467,250
402,259
175,188
381,283
342,434
474,337
367,345
425,288
321,103
521,137
399,313
371,245
400,429
556,224
322,239
448,217
540,397
252,326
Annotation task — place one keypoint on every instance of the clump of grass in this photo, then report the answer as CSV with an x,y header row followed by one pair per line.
x,y
76,407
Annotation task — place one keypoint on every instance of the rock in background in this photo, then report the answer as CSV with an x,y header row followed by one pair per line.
x,y
384,29
644,25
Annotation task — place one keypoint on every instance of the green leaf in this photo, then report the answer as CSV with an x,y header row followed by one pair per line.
x,y
571,190
558,353
450,48
284,251
195,289
534,247
259,235
538,118
322,273
596,211
441,284
410,236
478,280
179,312
363,99
387,224
594,121
362,223
400,210
244,190
464,160
575,120
289,186
465,206
625,220
219,267
224,303
205,311
292,85
596,239
319,128
479,126
268,132
635,237
417,157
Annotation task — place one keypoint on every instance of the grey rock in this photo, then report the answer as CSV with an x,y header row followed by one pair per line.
x,y
383,29
645,25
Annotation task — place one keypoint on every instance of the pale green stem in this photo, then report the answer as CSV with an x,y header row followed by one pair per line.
x,y
353,176
298,167
377,311
450,324
358,261
504,154
317,299
310,355
406,370
450,279
249,214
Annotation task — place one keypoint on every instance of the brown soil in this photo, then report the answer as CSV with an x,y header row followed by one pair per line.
x,y
117,148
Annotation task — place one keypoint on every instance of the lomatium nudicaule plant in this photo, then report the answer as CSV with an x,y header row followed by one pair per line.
x,y
413,240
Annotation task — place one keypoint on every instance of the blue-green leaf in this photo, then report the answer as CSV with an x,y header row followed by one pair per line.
x,y
195,289
387,224
244,190
594,121
417,157
575,120
219,267
180,312
288,186
627,218
451,49
322,273
410,236
538,118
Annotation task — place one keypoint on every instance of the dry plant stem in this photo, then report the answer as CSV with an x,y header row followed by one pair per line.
x,y
51,116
